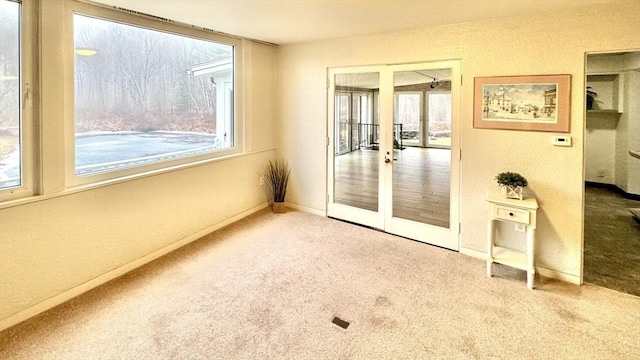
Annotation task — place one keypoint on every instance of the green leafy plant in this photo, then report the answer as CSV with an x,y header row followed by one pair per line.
x,y
511,179
591,98
278,178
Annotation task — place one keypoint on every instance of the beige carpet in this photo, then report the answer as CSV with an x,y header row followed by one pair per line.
x,y
269,286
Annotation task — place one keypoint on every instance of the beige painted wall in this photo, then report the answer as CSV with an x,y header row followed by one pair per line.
x,y
53,249
553,43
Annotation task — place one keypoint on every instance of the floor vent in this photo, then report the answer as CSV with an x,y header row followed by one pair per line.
x,y
343,324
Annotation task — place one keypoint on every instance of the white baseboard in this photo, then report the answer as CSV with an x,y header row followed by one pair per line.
x,y
542,271
555,274
108,276
473,253
307,209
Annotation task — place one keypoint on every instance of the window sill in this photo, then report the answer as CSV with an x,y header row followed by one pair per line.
x,y
76,189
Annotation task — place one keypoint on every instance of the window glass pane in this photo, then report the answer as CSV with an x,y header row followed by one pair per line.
x,y
440,119
144,96
408,116
342,130
10,109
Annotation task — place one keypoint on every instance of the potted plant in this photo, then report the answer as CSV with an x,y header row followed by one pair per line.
x,y
511,184
591,98
278,177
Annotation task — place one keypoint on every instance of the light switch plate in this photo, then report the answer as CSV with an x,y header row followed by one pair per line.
x,y
561,140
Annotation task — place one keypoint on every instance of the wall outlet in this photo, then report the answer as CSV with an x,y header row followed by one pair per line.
x,y
601,173
520,227
262,180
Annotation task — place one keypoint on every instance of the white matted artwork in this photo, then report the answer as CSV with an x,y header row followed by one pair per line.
x,y
535,103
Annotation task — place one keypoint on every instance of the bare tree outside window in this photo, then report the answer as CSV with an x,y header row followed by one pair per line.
x,y
10,116
144,96
440,119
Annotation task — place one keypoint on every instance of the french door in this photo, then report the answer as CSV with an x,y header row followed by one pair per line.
x,y
381,182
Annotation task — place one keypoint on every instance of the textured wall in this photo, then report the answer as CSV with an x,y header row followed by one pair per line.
x,y
553,43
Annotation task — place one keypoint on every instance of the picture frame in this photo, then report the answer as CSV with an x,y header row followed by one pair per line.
x,y
530,103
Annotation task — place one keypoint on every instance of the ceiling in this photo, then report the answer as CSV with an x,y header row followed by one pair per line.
x,y
292,21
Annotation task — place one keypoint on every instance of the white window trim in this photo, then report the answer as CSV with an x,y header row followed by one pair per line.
x,y
70,179
47,75
29,93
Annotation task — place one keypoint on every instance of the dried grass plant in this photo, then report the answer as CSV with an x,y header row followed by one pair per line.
x,y
278,178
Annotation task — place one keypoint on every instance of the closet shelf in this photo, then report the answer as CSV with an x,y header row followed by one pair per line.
x,y
610,111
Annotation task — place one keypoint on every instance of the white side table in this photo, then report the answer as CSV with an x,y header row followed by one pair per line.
x,y
517,212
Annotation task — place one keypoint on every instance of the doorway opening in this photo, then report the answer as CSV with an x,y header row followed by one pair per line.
x,y
611,250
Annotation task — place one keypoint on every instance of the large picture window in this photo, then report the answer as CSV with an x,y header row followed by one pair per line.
x,y
144,96
11,169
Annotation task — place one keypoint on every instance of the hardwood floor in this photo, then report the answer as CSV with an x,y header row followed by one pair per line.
x,y
420,183
611,241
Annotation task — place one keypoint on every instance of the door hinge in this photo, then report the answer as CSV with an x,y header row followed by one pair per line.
x,y
461,80
459,154
328,141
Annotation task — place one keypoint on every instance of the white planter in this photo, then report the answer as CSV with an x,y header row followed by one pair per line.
x,y
511,192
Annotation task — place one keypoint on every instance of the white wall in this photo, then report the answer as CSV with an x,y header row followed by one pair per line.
x,y
553,43
631,165
58,247
600,147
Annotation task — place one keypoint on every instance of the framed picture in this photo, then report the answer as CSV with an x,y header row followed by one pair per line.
x,y
535,103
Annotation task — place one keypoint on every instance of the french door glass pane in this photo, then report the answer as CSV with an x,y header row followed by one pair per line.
x,y
356,141
421,176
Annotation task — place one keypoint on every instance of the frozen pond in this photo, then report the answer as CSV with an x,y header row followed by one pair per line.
x,y
110,151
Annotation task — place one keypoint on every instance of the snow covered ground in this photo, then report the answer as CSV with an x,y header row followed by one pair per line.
x,y
104,151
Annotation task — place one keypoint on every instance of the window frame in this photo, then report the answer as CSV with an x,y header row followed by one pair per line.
x,y
156,24
28,102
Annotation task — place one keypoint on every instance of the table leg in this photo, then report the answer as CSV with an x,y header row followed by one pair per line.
x,y
490,235
531,238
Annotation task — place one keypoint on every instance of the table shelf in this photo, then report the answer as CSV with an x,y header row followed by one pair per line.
x,y
522,212
515,259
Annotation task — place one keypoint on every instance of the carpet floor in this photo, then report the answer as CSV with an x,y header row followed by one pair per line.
x,y
269,286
